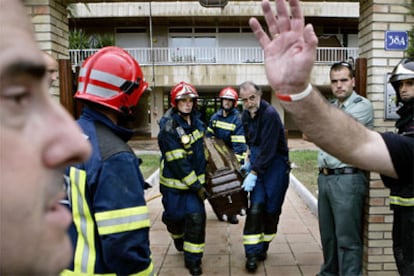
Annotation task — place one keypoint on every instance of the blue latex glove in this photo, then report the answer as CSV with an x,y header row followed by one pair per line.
x,y
245,168
249,182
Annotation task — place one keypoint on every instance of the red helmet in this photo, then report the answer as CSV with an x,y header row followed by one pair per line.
x,y
229,93
182,90
113,78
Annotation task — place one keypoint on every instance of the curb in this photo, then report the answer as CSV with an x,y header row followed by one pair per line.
x,y
304,194
153,180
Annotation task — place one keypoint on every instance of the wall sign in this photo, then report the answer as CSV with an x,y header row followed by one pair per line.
x,y
396,40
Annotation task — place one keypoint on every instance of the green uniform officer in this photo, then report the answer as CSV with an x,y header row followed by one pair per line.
x,y
342,188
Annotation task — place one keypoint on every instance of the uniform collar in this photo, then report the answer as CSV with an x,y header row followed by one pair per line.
x,y
348,101
124,133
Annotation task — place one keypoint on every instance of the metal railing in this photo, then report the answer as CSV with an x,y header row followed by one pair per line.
x,y
224,55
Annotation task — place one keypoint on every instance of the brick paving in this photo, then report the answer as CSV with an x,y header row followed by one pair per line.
x,y
295,251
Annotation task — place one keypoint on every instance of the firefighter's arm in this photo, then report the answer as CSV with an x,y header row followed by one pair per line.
x,y
121,216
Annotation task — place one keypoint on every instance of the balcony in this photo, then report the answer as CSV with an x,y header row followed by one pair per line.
x,y
188,56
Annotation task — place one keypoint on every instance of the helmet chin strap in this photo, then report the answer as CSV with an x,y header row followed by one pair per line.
x,y
184,113
126,114
227,109
125,110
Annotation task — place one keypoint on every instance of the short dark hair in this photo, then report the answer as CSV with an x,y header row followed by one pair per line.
x,y
246,84
342,64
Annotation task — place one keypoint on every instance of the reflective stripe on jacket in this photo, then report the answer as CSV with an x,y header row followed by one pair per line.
x,y
401,149
230,130
183,161
110,229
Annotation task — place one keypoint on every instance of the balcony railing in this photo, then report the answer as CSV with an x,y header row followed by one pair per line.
x,y
240,55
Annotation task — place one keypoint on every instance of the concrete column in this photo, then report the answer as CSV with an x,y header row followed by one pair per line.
x,y
376,17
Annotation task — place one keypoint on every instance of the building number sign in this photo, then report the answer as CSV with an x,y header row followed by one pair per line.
x,y
396,40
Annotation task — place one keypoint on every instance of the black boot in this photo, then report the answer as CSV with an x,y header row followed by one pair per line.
x,y
233,219
179,244
262,256
194,267
251,264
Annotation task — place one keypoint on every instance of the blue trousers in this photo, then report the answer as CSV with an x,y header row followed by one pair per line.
x,y
266,201
185,217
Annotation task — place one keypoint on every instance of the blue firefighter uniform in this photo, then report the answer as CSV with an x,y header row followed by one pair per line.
x,y
230,130
182,175
110,230
401,198
269,158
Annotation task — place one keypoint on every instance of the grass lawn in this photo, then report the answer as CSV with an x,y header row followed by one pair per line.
x,y
305,168
150,164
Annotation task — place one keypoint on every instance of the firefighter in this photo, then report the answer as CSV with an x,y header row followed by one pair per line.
x,y
402,80
402,193
226,124
110,230
182,175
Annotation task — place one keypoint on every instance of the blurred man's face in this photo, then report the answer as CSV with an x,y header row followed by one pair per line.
x,y
38,140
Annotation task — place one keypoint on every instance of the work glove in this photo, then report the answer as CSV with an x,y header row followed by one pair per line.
x,y
202,193
245,168
249,182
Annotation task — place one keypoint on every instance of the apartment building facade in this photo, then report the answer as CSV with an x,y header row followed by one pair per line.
x,y
208,47
185,41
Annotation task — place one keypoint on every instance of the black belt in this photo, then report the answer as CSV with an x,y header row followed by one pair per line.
x,y
346,170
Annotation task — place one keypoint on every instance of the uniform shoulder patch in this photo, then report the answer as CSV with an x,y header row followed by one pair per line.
x,y
358,99
170,125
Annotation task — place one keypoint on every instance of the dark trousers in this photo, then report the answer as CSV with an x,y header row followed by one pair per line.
x,y
340,208
266,201
185,217
403,240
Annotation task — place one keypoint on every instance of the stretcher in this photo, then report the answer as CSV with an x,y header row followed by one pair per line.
x,y
223,180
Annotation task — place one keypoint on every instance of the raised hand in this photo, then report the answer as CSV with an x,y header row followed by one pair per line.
x,y
289,48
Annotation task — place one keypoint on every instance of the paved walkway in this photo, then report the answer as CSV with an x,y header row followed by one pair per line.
x,y
295,251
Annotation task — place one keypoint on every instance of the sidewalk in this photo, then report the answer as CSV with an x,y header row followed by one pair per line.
x,y
295,251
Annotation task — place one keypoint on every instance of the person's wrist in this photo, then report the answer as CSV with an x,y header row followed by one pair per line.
x,y
295,97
